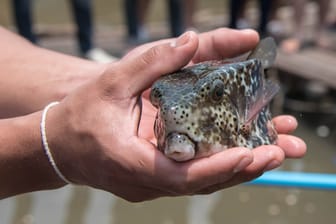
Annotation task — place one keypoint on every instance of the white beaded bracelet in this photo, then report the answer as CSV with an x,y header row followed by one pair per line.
x,y
45,142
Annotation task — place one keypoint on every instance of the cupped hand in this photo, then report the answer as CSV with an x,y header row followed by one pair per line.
x,y
102,134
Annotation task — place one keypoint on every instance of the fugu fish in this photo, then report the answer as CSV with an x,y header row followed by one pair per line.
x,y
214,105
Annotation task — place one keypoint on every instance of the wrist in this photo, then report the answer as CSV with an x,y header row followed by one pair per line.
x,y
65,139
24,165
45,143
23,95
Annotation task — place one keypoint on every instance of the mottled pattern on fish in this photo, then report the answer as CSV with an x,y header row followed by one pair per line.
x,y
207,107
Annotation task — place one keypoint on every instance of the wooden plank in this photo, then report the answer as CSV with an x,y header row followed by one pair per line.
x,y
312,64
318,54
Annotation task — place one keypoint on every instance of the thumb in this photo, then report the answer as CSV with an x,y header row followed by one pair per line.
x,y
140,71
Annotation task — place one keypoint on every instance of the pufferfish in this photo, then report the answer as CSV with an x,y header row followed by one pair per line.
x,y
215,105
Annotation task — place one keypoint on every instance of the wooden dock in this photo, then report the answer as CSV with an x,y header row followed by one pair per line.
x,y
312,64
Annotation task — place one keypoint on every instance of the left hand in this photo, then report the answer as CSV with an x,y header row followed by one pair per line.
x,y
212,48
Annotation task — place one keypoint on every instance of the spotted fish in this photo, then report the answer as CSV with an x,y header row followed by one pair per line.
x,y
214,105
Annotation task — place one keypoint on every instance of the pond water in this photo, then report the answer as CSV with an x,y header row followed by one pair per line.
x,y
241,204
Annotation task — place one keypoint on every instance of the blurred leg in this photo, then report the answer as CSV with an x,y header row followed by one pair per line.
x,y
23,19
176,17
265,10
323,39
131,18
189,9
135,15
295,43
142,11
299,6
323,13
82,12
237,8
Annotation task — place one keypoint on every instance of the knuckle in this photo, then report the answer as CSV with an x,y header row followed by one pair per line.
x,y
132,200
209,190
222,30
180,188
249,176
135,199
151,55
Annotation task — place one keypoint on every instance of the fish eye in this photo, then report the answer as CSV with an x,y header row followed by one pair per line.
x,y
217,90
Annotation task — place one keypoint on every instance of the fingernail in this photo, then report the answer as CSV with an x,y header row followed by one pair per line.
x,y
292,120
272,165
248,31
243,163
181,40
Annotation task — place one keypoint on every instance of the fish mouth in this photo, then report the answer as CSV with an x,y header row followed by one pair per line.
x,y
179,147
174,144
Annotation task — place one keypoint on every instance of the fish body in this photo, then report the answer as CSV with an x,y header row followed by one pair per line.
x,y
213,105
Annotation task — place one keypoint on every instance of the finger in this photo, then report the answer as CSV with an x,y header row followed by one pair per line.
x,y
147,121
142,70
136,192
145,47
216,44
225,43
292,146
217,168
186,178
235,180
285,124
265,158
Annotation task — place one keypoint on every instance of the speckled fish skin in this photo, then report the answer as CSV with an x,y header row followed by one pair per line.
x,y
206,107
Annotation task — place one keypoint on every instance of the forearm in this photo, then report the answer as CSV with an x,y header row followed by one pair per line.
x,y
24,166
30,76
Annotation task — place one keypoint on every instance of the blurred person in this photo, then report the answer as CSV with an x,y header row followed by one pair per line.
x,y
100,134
237,10
297,41
82,15
180,16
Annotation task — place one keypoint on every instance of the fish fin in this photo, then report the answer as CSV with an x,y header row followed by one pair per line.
x,y
263,97
265,51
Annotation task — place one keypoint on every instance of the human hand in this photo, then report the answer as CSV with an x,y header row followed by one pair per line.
x,y
102,134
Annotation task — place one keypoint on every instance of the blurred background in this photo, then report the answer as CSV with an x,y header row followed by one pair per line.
x,y
101,30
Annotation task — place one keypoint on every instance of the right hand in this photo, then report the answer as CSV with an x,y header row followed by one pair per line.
x,y
102,134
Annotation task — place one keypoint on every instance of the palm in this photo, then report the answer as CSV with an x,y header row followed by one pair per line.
x,y
147,119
